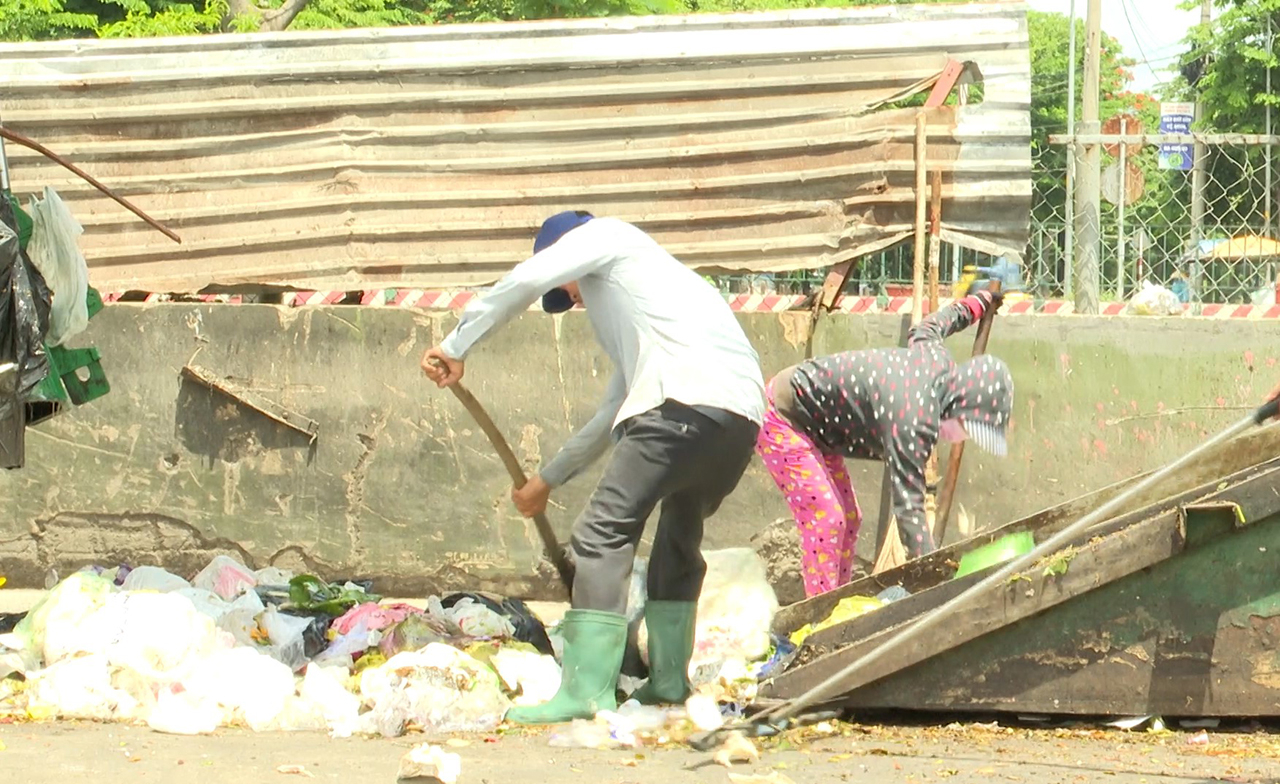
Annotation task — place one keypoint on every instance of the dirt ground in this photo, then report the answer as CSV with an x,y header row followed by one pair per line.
x,y
956,754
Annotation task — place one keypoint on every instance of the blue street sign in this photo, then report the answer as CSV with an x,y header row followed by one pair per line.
x,y
1176,118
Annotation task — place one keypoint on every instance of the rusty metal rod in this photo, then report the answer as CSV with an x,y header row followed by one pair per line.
x,y
947,493
25,141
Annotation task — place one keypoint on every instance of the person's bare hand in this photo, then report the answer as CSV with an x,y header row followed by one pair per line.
x,y
441,368
531,500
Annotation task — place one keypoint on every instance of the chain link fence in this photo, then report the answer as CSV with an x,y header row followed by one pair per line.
x,y
1149,227
1229,256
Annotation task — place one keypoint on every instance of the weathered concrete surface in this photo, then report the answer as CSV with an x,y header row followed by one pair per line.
x,y
402,487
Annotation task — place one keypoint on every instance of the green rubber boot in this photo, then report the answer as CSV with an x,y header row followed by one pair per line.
x,y
671,628
593,644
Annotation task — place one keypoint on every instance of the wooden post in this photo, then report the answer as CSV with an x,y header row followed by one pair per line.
x,y
935,236
917,276
891,553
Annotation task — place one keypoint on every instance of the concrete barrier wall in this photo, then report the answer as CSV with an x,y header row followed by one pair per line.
x,y
401,486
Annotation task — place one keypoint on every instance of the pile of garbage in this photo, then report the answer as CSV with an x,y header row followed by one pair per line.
x,y
272,650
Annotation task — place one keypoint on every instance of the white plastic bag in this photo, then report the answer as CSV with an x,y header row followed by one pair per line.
x,y
226,577
735,610
153,578
79,688
245,683
240,618
184,714
534,676
55,251
1153,300
54,629
446,690
161,636
479,621
285,633
340,708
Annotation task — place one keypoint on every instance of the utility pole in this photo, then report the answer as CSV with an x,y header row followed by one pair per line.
x,y
1088,179
1068,268
1199,164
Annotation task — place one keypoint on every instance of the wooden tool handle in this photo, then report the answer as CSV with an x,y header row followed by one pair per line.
x,y
947,494
550,544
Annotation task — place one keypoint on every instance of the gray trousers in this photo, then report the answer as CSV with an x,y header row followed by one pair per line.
x,y
675,455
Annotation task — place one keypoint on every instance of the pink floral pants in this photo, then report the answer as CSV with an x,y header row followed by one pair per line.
x,y
821,498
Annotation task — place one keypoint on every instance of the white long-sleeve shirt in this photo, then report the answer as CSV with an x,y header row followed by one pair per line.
x,y
670,334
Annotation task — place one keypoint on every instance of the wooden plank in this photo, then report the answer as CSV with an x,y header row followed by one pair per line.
x,y
248,397
1101,557
1235,461
1030,593
1192,636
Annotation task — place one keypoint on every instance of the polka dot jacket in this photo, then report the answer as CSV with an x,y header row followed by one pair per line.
x,y
887,404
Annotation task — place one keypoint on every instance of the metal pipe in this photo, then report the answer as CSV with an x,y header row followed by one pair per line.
x,y
1070,242
1124,185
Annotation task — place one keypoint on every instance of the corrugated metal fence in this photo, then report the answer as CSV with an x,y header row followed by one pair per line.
x,y
426,157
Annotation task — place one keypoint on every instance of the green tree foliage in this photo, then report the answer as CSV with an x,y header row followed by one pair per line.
x,y
1227,63
1050,58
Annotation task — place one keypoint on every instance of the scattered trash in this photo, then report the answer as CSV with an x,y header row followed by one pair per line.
x,y
183,714
532,676
526,627
846,609
1153,300
225,577
645,718
308,592
784,652
894,593
1135,722
736,748
153,578
1201,738
439,688
477,620
248,685
704,712
430,765
295,770
608,730
340,708
735,610
279,652
375,617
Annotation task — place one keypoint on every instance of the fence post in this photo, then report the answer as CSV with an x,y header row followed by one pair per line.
x,y
1089,173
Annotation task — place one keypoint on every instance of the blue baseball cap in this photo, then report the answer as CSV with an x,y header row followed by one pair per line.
x,y
553,228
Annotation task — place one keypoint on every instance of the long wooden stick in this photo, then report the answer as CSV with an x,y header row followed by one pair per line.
x,y
883,542
948,491
550,544
25,141
935,253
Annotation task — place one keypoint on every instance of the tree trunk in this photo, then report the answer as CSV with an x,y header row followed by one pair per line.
x,y
271,20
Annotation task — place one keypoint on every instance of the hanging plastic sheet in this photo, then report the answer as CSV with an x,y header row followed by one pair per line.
x,y
24,316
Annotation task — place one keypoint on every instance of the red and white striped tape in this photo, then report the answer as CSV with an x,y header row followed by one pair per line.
x,y
741,303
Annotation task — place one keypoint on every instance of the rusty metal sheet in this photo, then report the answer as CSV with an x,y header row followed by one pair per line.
x,y
426,157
